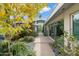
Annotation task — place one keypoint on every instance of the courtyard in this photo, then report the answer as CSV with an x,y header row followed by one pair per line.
x,y
39,29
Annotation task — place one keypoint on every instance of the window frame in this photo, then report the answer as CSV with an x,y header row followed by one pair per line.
x,y
71,22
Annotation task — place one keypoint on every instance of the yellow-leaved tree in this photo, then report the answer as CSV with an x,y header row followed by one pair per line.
x,y
13,17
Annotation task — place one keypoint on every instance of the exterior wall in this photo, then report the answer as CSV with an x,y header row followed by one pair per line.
x,y
60,17
68,19
66,16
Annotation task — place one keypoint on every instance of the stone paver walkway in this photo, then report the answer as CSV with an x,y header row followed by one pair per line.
x,y
42,46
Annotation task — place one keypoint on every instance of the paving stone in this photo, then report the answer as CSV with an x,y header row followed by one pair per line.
x,y
42,46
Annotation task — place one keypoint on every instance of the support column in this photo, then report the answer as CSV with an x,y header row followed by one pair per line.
x,y
67,27
48,30
35,28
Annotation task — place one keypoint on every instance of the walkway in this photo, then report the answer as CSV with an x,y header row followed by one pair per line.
x,y
42,46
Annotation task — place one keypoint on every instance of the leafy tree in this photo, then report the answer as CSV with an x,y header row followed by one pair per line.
x,y
12,17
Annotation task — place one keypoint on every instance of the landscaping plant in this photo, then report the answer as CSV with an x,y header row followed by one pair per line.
x,y
16,22
21,49
71,49
16,48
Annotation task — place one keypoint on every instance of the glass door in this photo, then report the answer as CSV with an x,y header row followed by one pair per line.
x,y
75,19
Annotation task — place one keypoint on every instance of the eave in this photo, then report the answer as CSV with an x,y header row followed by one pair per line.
x,y
60,8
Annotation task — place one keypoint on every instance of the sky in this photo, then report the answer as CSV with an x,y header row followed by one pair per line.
x,y
46,11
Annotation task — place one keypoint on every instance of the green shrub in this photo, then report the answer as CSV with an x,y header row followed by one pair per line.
x,y
34,34
72,49
27,39
58,44
22,34
45,34
16,48
21,49
4,47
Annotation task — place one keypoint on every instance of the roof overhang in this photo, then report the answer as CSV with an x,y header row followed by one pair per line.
x,y
61,7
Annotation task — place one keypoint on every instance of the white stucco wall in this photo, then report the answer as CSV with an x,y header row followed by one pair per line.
x,y
66,16
68,19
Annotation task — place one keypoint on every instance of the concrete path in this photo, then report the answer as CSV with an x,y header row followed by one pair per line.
x,y
42,47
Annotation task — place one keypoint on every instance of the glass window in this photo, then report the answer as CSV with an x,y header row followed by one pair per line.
x,y
76,24
60,28
51,30
57,29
